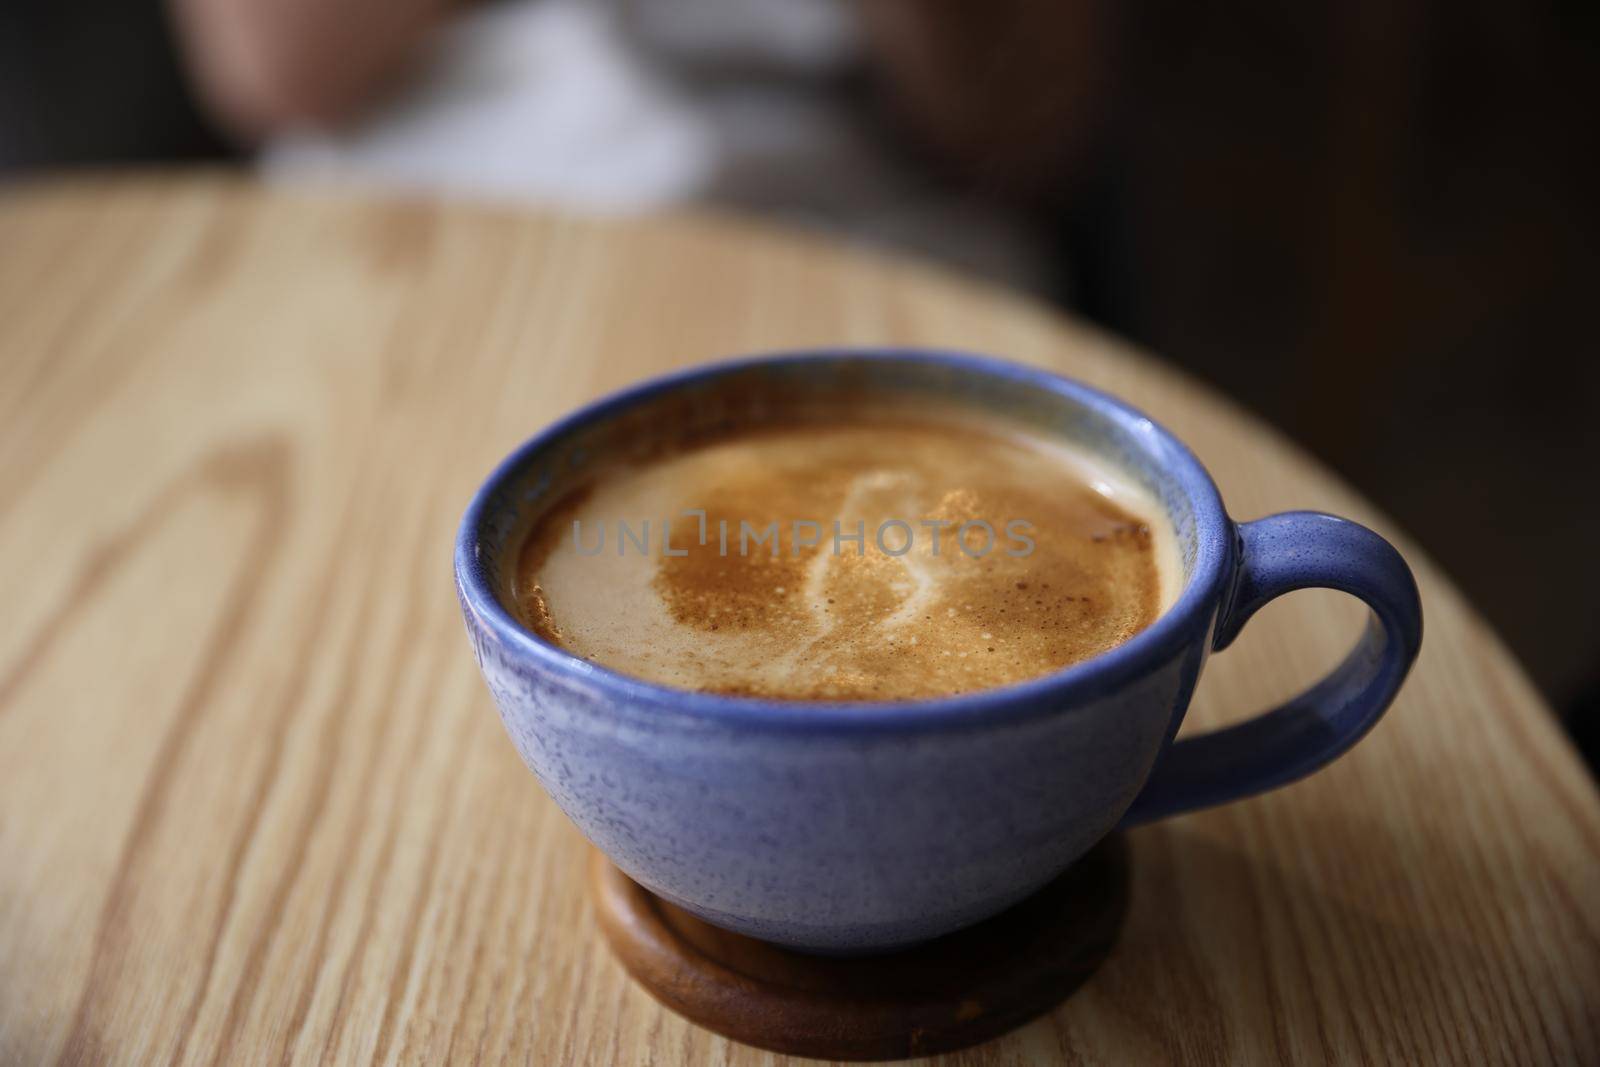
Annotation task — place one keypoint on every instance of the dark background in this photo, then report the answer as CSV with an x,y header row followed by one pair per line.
x,y
1375,224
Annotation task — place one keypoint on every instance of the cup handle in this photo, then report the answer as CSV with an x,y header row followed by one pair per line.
x,y
1276,555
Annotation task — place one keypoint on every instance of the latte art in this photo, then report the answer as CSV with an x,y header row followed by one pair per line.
x,y
848,559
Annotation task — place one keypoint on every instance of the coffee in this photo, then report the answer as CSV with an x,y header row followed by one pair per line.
x,y
852,556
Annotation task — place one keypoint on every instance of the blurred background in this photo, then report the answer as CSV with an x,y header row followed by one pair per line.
x,y
1375,224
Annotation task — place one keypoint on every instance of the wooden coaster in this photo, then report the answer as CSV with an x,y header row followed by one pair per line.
x,y
975,984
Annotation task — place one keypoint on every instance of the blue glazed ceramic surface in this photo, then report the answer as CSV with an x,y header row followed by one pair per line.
x,y
855,827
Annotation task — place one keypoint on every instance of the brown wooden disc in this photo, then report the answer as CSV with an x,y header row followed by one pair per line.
x,y
975,984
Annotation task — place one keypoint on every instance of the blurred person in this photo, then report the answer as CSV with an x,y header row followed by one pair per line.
x,y
763,105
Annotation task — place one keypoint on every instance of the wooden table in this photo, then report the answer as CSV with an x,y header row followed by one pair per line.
x,y
255,803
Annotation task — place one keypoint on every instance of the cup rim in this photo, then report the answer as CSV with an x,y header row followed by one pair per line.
x,y
1059,690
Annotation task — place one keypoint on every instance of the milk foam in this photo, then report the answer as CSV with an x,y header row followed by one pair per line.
x,y
842,620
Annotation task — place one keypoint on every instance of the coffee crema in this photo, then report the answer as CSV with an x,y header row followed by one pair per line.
x,y
850,557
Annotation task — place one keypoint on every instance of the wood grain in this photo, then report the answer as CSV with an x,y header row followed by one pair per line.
x,y
255,803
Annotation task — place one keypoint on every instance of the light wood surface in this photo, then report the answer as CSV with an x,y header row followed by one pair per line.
x,y
255,802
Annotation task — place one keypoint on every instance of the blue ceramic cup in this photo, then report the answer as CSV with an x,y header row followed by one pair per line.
x,y
856,827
